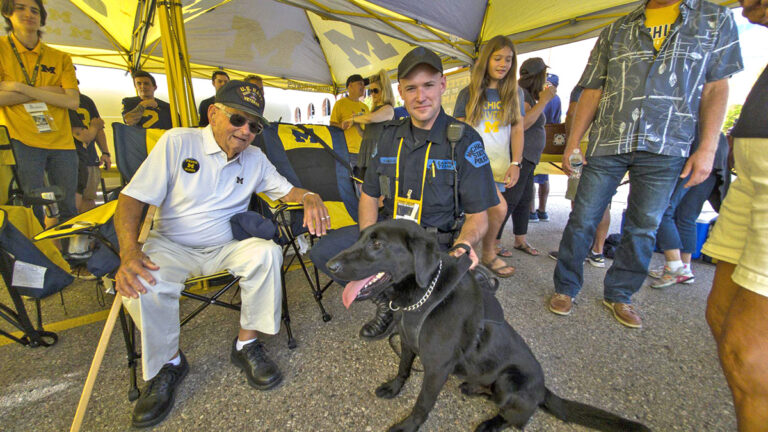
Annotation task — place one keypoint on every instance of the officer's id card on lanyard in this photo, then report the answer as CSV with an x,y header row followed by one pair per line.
x,y
38,110
406,207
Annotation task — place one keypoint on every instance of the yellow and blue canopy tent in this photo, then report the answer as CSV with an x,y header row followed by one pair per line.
x,y
306,44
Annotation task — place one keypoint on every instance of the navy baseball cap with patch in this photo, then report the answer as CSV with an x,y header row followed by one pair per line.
x,y
417,56
242,96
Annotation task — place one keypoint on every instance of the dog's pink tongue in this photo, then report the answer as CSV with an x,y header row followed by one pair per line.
x,y
352,289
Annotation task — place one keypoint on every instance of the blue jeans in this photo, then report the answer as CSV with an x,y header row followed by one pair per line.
x,y
60,165
652,178
677,229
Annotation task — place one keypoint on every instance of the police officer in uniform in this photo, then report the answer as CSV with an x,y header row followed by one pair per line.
x,y
430,168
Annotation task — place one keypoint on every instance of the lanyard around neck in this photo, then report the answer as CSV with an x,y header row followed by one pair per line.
x,y
423,174
29,81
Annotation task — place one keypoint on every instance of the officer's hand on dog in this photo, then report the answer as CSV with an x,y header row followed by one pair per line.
x,y
132,264
316,217
459,251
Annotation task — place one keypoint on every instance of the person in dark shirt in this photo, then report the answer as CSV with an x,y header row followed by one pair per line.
x,y
88,132
553,112
145,110
737,310
218,79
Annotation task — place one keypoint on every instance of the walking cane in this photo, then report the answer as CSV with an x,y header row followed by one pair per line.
x,y
98,357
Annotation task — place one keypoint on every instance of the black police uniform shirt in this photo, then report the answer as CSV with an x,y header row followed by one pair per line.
x,y
204,110
477,191
153,118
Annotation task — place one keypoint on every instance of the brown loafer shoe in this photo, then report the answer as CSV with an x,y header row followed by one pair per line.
x,y
560,304
625,314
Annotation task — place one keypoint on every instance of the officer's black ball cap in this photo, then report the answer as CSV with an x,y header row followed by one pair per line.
x,y
242,96
417,56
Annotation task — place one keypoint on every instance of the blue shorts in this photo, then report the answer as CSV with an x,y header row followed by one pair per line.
x,y
500,186
541,178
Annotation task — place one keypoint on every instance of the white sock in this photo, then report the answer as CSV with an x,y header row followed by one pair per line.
x,y
674,265
240,344
175,361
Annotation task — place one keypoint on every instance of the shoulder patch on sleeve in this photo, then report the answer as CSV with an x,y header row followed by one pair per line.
x,y
475,154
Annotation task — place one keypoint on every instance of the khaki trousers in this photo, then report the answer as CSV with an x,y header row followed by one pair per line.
x,y
156,313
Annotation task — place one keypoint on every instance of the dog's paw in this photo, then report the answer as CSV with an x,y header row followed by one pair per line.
x,y
389,389
494,424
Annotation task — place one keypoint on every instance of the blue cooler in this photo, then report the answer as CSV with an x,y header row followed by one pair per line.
x,y
703,226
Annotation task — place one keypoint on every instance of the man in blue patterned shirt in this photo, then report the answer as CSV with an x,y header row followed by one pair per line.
x,y
653,78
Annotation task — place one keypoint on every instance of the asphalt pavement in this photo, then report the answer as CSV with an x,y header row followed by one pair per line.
x,y
665,375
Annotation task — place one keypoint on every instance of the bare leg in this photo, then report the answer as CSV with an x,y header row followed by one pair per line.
x,y
78,202
686,257
674,255
245,335
543,195
86,205
496,216
720,298
602,232
743,349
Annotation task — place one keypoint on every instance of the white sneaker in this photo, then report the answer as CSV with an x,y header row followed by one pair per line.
x,y
683,275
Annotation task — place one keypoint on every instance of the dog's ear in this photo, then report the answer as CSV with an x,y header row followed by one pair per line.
x,y
425,258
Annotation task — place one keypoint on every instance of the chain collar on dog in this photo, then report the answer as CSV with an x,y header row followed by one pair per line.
x,y
423,300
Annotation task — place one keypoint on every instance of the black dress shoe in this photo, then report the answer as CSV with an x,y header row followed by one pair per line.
x,y
156,400
382,323
261,371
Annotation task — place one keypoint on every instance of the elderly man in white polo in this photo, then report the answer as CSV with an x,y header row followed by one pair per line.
x,y
199,179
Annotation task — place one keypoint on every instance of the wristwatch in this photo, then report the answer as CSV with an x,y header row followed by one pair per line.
x,y
515,163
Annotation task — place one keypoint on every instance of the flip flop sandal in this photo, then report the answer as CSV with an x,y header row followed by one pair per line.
x,y
530,250
504,252
498,269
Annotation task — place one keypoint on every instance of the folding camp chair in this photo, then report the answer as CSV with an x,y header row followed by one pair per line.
x,y
132,145
97,223
28,271
14,193
314,157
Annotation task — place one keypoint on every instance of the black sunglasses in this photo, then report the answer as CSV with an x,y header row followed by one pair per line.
x,y
374,90
238,120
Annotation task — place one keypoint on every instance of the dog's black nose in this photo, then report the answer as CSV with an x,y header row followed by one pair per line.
x,y
333,266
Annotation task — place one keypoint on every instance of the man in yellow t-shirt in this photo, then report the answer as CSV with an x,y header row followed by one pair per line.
x,y
37,87
659,21
348,107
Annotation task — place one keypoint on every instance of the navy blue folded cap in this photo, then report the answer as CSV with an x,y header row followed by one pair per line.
x,y
251,224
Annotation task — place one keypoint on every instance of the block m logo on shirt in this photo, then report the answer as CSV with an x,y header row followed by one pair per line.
x,y
491,126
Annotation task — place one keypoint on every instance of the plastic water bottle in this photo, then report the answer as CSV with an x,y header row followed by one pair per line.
x,y
577,161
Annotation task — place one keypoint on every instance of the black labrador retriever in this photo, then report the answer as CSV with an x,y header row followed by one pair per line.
x,y
456,325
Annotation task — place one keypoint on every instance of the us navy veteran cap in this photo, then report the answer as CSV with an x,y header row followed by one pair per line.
x,y
242,96
417,56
